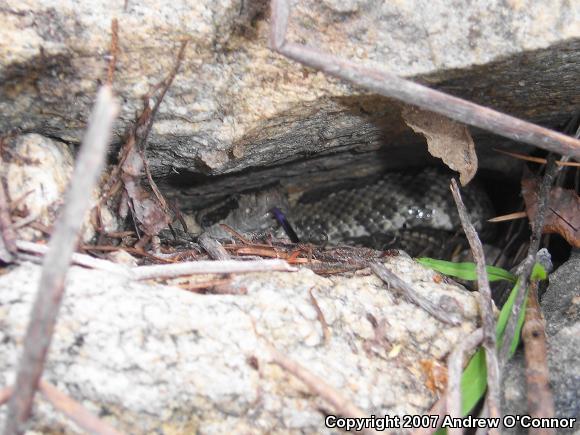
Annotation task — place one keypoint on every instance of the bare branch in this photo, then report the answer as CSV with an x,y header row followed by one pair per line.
x,y
5,394
7,234
167,270
486,304
412,296
213,248
483,414
439,408
454,371
279,23
204,267
528,263
540,398
342,406
56,262
79,259
388,84
114,51
75,411
320,316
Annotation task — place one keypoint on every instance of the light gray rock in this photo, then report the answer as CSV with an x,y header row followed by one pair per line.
x,y
561,308
236,105
37,172
154,357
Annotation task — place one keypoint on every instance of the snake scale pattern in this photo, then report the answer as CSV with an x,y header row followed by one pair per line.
x,y
411,210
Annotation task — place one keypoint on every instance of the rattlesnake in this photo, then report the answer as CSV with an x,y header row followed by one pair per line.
x,y
411,210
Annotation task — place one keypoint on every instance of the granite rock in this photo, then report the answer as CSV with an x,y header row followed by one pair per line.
x,y
236,105
561,308
149,357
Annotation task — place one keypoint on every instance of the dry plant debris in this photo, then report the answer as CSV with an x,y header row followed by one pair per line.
x,y
57,261
563,213
446,139
540,398
525,269
7,235
486,303
148,207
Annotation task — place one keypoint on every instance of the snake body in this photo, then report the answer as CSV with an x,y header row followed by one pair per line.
x,y
411,210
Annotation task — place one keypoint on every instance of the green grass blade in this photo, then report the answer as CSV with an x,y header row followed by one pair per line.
x,y
474,377
538,273
505,312
473,381
466,271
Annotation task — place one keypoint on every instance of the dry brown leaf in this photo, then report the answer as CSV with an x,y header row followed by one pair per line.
x,y
563,213
148,212
446,139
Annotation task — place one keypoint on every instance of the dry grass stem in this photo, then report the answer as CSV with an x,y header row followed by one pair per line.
x,y
412,296
57,261
455,365
204,267
486,304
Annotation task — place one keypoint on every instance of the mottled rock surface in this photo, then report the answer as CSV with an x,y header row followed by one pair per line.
x,y
36,171
561,308
236,105
153,357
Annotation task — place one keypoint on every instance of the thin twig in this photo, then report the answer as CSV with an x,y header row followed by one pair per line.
x,y
31,258
540,398
119,234
5,394
78,259
114,51
5,255
236,234
213,248
209,285
204,267
439,409
136,145
7,234
174,206
509,217
486,304
75,411
484,414
26,220
342,406
528,263
561,163
320,316
270,252
135,251
455,365
412,296
56,263
164,85
388,84
142,139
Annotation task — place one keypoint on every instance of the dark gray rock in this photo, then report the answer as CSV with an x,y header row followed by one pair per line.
x,y
561,307
235,105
